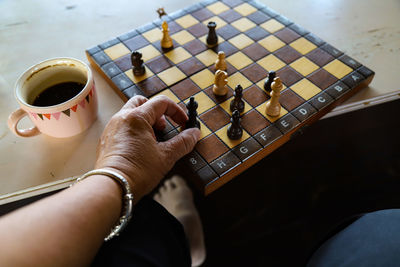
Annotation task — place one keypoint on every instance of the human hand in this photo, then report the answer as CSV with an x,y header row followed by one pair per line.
x,y
128,144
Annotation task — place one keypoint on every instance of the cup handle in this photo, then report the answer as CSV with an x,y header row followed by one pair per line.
x,y
13,120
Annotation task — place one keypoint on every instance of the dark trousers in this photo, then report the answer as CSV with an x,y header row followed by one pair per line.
x,y
153,238
372,240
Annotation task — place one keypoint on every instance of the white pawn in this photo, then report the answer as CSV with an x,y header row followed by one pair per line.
x,y
220,83
166,41
273,107
220,63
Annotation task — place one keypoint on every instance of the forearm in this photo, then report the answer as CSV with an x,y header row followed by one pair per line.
x,y
65,229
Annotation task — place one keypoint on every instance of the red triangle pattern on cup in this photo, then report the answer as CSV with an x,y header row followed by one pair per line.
x,y
66,112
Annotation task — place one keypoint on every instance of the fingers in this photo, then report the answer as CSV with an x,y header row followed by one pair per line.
x,y
180,145
135,101
153,109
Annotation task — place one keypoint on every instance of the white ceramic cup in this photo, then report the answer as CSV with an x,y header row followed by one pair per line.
x,y
62,120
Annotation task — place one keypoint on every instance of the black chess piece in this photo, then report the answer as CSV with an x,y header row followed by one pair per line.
x,y
269,80
192,114
137,64
237,103
235,130
212,37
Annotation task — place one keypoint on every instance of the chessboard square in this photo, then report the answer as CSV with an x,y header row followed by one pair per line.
x,y
322,79
253,122
178,55
136,42
254,72
171,75
204,39
289,76
272,25
257,33
186,21
203,78
226,47
204,131
258,17
287,54
184,89
226,105
124,62
151,86
182,37
319,57
198,29
304,66
271,43
149,52
243,24
211,147
238,78
215,118
239,60
148,73
202,14
223,135
255,51
205,103
303,46
153,35
117,51
241,41
305,89
218,8
159,64
338,69
261,109
168,93
271,62
195,46
191,66
287,35
254,95
220,22
245,9
207,57
289,100
230,15
227,32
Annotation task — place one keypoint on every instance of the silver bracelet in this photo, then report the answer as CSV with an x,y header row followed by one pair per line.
x,y
127,197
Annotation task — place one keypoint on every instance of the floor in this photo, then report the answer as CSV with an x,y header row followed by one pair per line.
x,y
280,210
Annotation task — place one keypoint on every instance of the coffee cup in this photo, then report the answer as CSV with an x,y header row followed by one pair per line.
x,y
59,97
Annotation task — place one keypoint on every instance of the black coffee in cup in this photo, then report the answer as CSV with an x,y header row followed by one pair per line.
x,y
57,94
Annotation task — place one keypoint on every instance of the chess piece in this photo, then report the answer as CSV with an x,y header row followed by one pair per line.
x,y
137,64
192,114
220,82
235,130
273,107
212,38
166,41
220,64
237,103
269,80
161,12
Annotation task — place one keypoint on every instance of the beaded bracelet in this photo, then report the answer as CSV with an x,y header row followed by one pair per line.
x,y
127,197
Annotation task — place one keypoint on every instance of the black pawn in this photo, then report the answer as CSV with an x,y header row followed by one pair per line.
x,y
192,114
235,130
269,80
212,38
237,103
137,64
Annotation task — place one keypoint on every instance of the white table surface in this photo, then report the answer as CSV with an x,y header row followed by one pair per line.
x,y
32,31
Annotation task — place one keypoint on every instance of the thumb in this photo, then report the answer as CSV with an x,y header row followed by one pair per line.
x,y
181,144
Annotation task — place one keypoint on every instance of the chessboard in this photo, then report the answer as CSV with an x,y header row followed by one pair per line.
x,y
316,77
